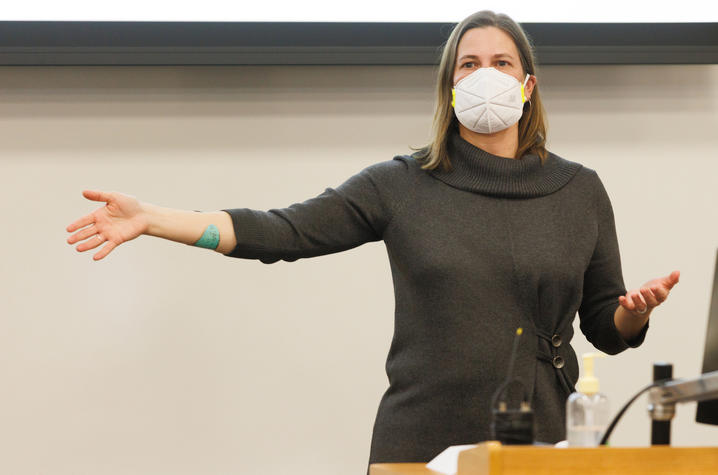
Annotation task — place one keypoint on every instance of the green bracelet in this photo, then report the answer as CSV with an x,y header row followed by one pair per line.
x,y
210,238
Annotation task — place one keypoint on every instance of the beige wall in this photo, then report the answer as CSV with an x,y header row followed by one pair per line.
x,y
167,359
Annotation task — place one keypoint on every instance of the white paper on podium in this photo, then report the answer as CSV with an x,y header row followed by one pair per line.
x,y
448,461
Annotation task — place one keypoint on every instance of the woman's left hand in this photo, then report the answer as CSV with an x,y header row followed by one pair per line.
x,y
650,295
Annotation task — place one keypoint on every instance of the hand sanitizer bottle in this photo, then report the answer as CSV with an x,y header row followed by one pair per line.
x,y
587,411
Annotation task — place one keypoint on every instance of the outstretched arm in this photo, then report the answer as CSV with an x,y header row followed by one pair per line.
x,y
357,211
124,218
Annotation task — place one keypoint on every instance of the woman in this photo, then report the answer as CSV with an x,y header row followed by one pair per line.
x,y
486,231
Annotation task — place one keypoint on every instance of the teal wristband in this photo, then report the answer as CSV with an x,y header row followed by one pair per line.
x,y
210,238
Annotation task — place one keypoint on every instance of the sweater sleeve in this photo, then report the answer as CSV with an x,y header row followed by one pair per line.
x,y
338,219
603,284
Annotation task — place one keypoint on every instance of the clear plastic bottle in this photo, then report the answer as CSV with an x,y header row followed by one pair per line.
x,y
587,410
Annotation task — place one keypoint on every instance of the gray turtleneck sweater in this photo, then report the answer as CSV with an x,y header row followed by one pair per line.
x,y
476,252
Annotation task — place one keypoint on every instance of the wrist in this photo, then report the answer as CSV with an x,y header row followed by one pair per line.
x,y
151,217
629,323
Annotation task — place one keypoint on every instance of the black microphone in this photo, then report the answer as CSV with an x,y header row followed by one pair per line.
x,y
512,426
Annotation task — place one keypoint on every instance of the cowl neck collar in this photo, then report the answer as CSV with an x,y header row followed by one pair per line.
x,y
478,171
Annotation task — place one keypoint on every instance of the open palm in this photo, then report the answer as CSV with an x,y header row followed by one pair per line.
x,y
120,220
650,295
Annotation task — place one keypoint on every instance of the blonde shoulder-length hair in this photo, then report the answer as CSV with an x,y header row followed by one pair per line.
x,y
532,125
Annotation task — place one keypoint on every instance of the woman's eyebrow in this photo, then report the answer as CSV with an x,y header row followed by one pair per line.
x,y
497,55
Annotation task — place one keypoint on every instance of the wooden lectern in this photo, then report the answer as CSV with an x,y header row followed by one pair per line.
x,y
492,458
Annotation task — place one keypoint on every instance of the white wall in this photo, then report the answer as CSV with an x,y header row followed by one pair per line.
x,y
169,359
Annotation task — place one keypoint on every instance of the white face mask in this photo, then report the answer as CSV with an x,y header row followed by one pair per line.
x,y
488,101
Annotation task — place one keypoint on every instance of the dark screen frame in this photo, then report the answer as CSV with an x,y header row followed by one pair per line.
x,y
707,411
67,43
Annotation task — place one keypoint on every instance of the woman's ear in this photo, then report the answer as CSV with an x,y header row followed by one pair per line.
x,y
529,87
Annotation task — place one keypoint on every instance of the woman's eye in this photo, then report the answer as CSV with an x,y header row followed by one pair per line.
x,y
503,63
467,65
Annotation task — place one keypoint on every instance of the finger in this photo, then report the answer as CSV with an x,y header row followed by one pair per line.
x,y
106,249
82,222
660,293
640,303
672,279
624,302
82,234
90,243
628,303
648,297
95,195
636,302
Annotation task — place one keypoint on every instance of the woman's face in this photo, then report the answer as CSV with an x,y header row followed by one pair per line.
x,y
489,47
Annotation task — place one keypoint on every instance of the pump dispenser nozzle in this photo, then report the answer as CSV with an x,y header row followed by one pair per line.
x,y
588,383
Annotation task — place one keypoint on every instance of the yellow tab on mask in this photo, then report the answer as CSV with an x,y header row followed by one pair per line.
x,y
523,86
453,97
